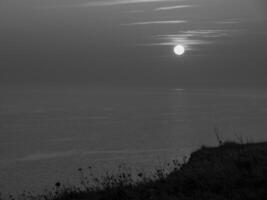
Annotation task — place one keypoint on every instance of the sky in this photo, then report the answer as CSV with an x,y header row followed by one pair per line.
x,y
130,42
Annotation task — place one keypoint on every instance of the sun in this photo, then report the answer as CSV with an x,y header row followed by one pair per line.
x,y
179,50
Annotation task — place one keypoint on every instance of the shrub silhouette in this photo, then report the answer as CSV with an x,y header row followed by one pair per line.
x,y
229,171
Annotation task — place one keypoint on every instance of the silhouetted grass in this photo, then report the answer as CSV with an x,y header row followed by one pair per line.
x,y
229,171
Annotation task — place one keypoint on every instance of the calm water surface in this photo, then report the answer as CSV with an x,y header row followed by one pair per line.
x,y
46,133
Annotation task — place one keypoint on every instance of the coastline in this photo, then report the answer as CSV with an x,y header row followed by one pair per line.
x,y
228,171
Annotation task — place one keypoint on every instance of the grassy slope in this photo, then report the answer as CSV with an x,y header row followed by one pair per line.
x,y
230,171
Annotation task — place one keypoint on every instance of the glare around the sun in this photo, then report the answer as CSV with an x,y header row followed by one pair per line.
x,y
179,50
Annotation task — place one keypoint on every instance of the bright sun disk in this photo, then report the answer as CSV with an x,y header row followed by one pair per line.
x,y
179,50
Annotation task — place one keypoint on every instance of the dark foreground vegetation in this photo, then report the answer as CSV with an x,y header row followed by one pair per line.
x,y
230,171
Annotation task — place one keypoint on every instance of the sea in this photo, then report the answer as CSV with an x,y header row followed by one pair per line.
x,y
48,132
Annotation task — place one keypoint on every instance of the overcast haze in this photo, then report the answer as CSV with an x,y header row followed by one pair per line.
x,y
130,42
97,83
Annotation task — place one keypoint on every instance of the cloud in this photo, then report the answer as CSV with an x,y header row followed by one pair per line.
x,y
233,21
207,33
99,3
135,11
172,7
191,39
156,22
121,2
